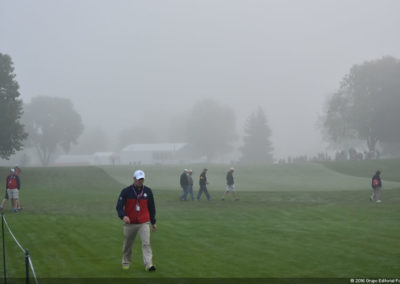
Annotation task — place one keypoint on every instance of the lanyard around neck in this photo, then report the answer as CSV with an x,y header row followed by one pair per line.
x,y
140,194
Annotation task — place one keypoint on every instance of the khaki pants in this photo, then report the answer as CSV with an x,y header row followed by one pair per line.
x,y
130,232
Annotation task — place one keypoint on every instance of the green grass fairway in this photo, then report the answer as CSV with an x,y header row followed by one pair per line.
x,y
293,221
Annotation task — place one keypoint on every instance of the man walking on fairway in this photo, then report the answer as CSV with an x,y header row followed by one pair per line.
x,y
230,185
203,185
184,183
376,187
137,210
190,184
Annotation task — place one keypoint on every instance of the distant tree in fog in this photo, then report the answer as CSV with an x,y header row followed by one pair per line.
x,y
136,135
51,123
367,105
92,140
12,131
211,129
257,147
177,127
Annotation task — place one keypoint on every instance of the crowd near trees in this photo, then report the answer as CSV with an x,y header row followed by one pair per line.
x,y
363,109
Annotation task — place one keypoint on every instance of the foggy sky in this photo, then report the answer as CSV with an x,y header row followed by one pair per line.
x,y
124,62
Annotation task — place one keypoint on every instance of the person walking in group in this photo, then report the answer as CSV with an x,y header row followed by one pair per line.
x,y
5,199
376,187
18,172
137,210
184,184
203,185
190,184
230,185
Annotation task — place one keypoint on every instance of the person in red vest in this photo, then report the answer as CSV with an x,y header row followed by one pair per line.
x,y
13,184
136,208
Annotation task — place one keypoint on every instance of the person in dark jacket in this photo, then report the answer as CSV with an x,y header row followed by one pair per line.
x,y
230,185
376,185
136,208
3,202
184,184
203,185
190,183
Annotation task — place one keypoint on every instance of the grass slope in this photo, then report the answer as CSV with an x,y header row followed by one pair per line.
x,y
389,168
301,225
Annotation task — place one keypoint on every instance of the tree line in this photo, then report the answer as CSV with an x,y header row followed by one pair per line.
x,y
362,112
50,123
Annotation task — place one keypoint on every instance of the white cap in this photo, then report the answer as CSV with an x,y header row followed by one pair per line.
x,y
12,170
139,174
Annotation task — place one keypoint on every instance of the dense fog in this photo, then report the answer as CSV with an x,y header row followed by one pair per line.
x,y
130,65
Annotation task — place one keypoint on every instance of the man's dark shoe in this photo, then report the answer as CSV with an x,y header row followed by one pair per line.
x,y
151,268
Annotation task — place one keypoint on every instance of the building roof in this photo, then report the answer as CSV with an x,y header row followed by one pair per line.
x,y
165,147
104,154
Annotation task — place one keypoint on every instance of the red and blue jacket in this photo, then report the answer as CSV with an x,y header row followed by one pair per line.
x,y
379,179
17,179
138,206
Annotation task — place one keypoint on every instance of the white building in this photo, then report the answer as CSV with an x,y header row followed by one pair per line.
x,y
162,153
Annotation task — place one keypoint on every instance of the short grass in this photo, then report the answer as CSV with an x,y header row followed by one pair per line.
x,y
293,221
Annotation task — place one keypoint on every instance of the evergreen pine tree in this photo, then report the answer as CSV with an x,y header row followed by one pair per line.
x,y
257,147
